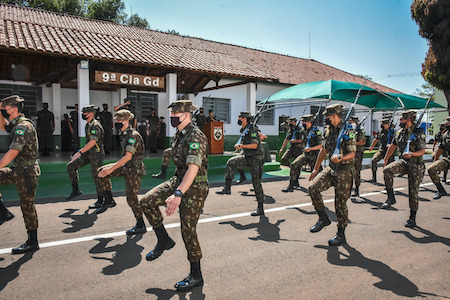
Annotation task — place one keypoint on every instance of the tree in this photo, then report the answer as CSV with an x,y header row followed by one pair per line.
x,y
107,10
137,21
426,91
433,18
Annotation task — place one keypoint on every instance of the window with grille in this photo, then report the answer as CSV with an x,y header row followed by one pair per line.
x,y
267,116
142,104
220,106
31,94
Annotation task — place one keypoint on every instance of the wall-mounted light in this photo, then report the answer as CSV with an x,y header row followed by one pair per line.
x,y
183,82
84,64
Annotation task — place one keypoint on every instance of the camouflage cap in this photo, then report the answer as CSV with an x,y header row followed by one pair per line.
x,y
354,119
410,114
385,121
89,109
124,115
245,114
446,122
448,118
308,118
292,119
334,109
12,100
182,106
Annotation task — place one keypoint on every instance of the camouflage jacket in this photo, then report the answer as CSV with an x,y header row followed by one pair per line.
x,y
360,135
417,143
94,131
347,145
438,137
382,136
445,144
189,146
315,139
131,141
23,137
252,137
299,135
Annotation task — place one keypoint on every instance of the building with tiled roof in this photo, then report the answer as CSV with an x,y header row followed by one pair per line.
x,y
63,60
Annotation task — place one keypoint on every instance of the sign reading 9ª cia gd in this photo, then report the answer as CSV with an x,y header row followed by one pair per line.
x,y
129,79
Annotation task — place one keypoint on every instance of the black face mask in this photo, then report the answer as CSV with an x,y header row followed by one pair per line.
x,y
327,121
239,122
175,121
84,117
119,125
447,127
305,126
5,114
402,125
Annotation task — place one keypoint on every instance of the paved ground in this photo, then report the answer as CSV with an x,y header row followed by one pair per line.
x,y
84,256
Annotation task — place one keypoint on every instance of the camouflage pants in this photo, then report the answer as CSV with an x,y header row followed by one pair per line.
x,y
379,155
167,154
132,185
190,209
342,182
26,194
292,152
101,184
442,164
357,169
255,164
415,173
299,162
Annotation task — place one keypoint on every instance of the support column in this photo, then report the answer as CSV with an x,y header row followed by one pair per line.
x,y
251,97
56,106
83,96
171,91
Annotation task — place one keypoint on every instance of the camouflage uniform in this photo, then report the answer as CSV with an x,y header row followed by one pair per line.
x,y
337,175
93,131
382,136
167,153
360,135
442,164
26,171
131,141
296,148
189,146
414,166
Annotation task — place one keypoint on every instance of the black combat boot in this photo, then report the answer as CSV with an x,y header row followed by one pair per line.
x,y
339,238
109,202
5,214
444,178
390,200
291,186
441,191
162,174
322,222
193,280
164,243
75,191
412,219
138,228
356,192
374,177
242,177
98,203
226,189
259,211
30,245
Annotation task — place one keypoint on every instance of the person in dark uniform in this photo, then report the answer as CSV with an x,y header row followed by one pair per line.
x,y
130,166
162,134
437,140
23,150
45,128
74,128
211,117
153,131
360,142
187,190
200,119
442,164
337,174
66,134
92,153
106,120
294,136
253,158
410,163
309,156
382,137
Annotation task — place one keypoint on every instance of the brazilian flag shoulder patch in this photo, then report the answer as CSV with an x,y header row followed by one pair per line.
x,y
253,134
131,141
93,131
318,132
351,135
20,132
194,146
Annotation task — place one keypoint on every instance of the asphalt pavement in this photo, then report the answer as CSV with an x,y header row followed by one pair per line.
x,y
88,256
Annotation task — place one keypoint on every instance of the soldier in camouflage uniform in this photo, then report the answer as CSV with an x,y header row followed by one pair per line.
x,y
410,163
442,164
23,150
92,153
294,136
313,142
337,174
382,136
253,158
360,142
130,167
167,153
437,140
187,190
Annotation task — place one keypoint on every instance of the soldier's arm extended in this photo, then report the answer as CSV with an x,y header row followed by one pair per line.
x,y
3,122
8,157
108,170
374,142
86,148
283,146
389,152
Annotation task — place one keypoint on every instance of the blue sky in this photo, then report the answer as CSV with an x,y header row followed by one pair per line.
x,y
366,37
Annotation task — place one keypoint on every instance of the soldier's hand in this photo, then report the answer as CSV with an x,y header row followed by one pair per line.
x,y
313,174
75,156
407,155
105,172
238,147
307,150
336,158
172,204
371,148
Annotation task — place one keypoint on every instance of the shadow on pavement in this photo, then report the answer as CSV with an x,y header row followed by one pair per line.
x,y
195,294
391,280
11,272
365,200
79,222
126,256
268,232
331,214
429,237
